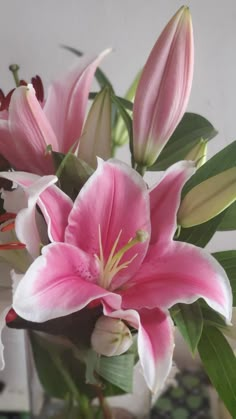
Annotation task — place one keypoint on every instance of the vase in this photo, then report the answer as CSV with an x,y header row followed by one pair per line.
x,y
48,378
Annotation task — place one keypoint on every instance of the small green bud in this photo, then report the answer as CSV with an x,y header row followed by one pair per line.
x,y
111,337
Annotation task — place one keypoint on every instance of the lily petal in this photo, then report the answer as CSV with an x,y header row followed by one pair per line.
x,y
59,282
155,342
66,103
31,131
121,200
5,306
165,200
179,273
164,88
54,204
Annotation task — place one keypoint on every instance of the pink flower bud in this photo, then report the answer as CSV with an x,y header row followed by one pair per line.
x,y
164,89
111,336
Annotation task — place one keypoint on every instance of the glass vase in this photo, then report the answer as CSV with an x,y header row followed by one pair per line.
x,y
49,378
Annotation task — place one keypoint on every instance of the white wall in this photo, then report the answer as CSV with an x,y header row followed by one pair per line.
x,y
31,32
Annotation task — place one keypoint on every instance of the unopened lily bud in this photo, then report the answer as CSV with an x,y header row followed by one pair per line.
x,y
111,337
208,199
96,137
198,153
164,89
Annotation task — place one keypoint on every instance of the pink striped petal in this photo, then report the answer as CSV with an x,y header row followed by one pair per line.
x,y
165,200
179,273
60,282
31,130
116,199
67,99
155,342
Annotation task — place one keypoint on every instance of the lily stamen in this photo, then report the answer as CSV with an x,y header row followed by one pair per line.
x,y
109,268
12,246
7,216
8,227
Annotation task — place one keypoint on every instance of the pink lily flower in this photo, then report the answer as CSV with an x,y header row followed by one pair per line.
x,y
123,258
29,127
164,89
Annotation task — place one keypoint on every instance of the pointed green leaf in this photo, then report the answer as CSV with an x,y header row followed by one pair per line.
x,y
120,134
188,319
220,364
99,74
229,221
191,129
72,173
118,370
125,116
227,259
200,235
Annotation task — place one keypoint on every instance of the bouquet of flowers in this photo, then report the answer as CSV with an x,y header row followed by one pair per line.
x,y
103,264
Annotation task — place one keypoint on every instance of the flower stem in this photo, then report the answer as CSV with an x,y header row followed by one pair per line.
x,y
107,413
141,169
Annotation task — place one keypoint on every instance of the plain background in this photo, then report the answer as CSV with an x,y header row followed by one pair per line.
x,y
31,33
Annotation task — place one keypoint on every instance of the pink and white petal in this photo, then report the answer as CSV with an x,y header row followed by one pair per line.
x,y
54,204
121,200
5,306
8,145
14,200
155,347
179,273
165,200
60,282
56,207
31,131
67,99
155,342
25,223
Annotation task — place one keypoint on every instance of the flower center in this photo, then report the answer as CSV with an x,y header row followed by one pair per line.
x,y
110,267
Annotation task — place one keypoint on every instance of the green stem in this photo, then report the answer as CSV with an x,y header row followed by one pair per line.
x,y
14,68
84,406
107,413
141,169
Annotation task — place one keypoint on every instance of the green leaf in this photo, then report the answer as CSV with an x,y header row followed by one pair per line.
x,y
125,116
227,259
190,130
210,316
188,319
118,370
49,375
220,364
72,173
99,74
59,371
200,235
229,221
